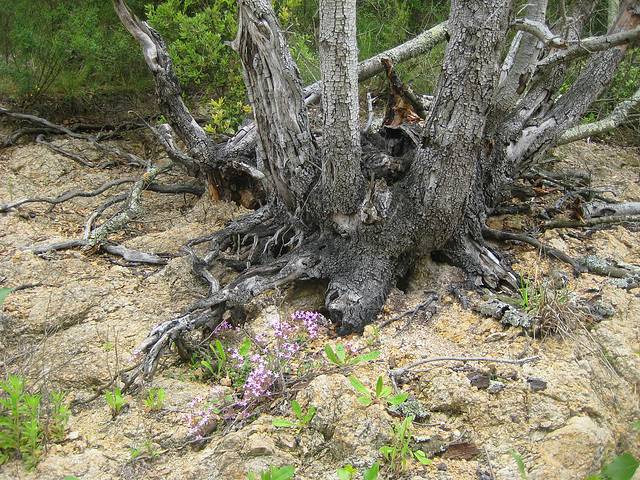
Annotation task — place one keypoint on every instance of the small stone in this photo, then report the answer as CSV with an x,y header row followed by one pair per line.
x,y
495,386
478,380
536,384
442,467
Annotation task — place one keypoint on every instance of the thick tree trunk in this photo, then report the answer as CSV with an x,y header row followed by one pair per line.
x,y
324,218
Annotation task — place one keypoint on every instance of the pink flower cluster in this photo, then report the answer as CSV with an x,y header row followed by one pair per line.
x,y
201,417
265,368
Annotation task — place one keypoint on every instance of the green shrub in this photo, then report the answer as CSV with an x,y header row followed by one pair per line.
x,y
65,47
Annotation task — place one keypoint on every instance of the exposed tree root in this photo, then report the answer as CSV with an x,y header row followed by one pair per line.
x,y
546,249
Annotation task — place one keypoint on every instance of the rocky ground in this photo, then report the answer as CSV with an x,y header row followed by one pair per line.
x,y
564,413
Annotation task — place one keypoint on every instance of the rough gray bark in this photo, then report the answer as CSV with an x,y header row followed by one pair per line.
x,y
340,142
286,146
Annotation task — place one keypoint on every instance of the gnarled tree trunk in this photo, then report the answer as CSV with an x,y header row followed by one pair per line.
x,y
330,212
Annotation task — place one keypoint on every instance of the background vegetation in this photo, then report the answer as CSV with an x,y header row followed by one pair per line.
x,y
75,50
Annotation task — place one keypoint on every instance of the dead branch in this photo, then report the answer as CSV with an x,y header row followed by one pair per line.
x,y
68,196
540,31
54,128
398,372
592,222
124,252
546,249
413,312
619,115
131,210
586,47
601,209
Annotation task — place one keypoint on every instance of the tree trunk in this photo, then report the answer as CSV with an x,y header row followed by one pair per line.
x,y
341,176
358,231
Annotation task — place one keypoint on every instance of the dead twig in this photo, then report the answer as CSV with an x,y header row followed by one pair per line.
x,y
398,372
413,312
124,252
591,222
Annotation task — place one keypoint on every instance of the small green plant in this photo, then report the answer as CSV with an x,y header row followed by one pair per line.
x,y
115,401
521,468
348,472
340,358
155,399
135,453
20,429
381,393
59,416
275,473
397,454
302,421
107,346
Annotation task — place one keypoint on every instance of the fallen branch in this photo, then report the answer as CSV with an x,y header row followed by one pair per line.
x,y
50,127
398,372
124,252
132,208
591,222
546,249
68,196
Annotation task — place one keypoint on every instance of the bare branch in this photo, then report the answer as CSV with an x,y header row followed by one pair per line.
x,y
398,372
167,85
586,47
67,196
619,115
540,31
126,253
131,210
423,43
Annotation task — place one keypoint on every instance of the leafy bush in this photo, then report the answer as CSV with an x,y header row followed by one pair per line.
x,y
65,45
195,32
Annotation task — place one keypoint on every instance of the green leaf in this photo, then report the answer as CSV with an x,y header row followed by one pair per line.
x,y
296,409
280,422
386,450
345,473
251,476
593,477
421,457
309,415
220,351
371,473
284,473
340,352
245,347
519,462
379,387
358,386
398,399
4,291
636,426
386,391
622,467
366,357
331,356
365,400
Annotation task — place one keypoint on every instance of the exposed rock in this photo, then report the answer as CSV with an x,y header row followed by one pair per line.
x,y
578,449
